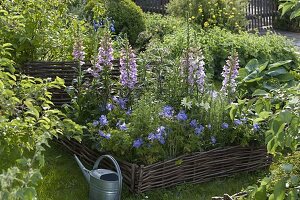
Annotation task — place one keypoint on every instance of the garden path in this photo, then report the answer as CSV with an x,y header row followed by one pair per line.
x,y
295,37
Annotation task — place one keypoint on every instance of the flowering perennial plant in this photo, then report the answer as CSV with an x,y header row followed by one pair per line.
x,y
128,67
230,73
78,52
193,68
104,58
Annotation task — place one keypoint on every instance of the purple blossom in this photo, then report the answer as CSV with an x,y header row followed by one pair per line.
x,y
182,116
122,126
137,143
256,127
167,112
102,134
95,123
224,125
199,129
109,107
104,58
78,52
237,122
103,120
194,123
161,130
213,140
128,68
151,137
214,94
230,73
159,135
121,102
193,65
129,111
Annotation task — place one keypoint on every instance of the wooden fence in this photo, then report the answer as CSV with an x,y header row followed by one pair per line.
x,y
64,70
260,13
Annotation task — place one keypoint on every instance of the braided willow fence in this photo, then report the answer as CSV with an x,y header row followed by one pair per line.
x,y
65,70
194,168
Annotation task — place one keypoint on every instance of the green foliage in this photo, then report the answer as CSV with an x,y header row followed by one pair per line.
x,y
223,13
27,122
257,79
283,183
40,30
128,17
217,43
290,5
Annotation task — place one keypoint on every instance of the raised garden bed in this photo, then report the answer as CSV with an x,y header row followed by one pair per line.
x,y
194,168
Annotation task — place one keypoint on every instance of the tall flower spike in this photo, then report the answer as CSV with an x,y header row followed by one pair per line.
x,y
128,67
105,54
230,73
78,52
193,64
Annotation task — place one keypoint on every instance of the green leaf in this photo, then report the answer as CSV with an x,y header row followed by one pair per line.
x,y
276,71
260,92
233,111
252,65
280,63
279,190
178,162
287,168
261,193
285,7
295,14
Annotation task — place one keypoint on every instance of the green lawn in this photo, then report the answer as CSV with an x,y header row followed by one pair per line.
x,y
64,180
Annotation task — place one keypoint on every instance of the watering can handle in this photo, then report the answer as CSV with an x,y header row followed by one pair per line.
x,y
96,165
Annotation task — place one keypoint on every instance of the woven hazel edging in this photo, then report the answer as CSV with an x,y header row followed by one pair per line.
x,y
194,168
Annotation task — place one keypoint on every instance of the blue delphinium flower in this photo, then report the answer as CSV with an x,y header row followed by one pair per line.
x,y
237,122
199,129
137,143
194,123
167,112
103,120
256,127
182,116
224,125
213,140
109,107
102,134
95,123
122,126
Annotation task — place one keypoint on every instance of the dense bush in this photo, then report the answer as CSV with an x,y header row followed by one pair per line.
x,y
223,13
42,30
157,26
128,17
218,43
27,122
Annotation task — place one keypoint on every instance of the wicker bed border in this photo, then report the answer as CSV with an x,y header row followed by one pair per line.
x,y
197,167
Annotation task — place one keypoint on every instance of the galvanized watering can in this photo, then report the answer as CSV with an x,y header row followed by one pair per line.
x,y
104,184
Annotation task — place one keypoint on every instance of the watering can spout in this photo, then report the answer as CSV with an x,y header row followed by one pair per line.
x,y
84,170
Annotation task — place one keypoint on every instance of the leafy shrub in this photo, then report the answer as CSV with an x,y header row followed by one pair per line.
x,y
223,13
157,26
27,122
218,43
127,15
41,30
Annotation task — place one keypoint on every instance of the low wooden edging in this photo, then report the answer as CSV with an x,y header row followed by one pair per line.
x,y
194,168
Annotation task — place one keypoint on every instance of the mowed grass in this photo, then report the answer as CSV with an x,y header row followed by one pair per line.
x,y
64,180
